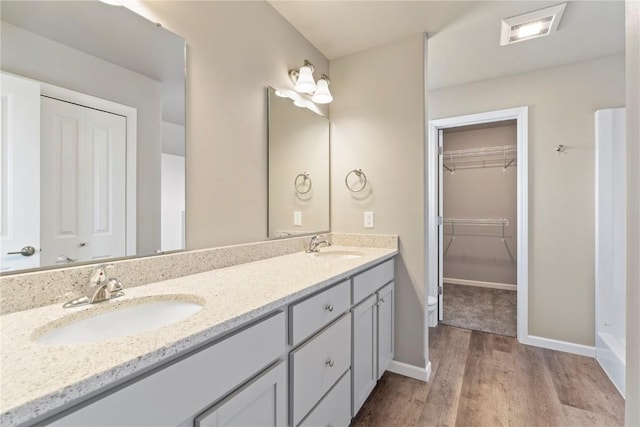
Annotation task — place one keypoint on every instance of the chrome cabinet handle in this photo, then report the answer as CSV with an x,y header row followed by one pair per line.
x,y
26,251
329,363
381,299
328,307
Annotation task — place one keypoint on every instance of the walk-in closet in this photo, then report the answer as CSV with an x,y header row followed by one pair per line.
x,y
479,200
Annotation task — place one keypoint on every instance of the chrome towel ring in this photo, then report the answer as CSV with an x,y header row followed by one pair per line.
x,y
297,182
359,174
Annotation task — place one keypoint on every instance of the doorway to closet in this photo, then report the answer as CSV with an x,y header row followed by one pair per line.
x,y
479,238
477,221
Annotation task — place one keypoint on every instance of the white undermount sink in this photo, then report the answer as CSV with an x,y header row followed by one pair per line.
x,y
121,322
338,254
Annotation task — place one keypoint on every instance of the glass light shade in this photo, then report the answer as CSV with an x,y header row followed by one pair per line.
x,y
305,82
322,95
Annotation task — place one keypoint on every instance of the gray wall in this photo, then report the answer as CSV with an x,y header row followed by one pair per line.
x,y
36,57
562,101
234,51
632,416
377,124
477,253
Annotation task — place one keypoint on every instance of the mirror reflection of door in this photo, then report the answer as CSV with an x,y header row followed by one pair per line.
x,y
19,173
83,183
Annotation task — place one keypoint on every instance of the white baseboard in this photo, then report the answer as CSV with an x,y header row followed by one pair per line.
x,y
492,285
410,371
567,347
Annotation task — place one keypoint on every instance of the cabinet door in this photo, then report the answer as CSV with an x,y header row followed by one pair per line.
x,y
365,351
261,403
386,313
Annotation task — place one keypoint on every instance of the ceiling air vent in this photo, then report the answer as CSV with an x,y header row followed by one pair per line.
x,y
531,25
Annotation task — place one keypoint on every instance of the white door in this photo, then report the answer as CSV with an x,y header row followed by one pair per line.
x,y
83,182
19,173
440,226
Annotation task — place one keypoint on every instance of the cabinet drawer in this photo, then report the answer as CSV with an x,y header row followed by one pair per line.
x,y
335,408
371,280
184,388
314,313
261,402
318,364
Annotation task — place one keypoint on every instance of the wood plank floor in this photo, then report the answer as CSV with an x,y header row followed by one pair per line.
x,y
481,379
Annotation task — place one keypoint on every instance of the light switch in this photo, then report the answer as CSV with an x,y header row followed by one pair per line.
x,y
297,218
368,220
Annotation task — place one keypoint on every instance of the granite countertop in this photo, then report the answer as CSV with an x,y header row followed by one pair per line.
x,y
37,378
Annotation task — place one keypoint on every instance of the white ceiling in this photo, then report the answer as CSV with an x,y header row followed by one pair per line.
x,y
463,35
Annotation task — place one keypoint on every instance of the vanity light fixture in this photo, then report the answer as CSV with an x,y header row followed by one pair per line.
x,y
303,78
304,83
531,25
322,94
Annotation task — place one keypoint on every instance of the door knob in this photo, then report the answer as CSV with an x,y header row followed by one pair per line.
x,y
26,251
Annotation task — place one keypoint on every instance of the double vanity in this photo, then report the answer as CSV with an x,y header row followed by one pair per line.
x,y
297,339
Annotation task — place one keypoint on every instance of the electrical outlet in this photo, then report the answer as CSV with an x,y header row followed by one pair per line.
x,y
368,220
297,218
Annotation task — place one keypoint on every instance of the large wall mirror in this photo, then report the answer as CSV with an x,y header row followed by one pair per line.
x,y
298,168
93,134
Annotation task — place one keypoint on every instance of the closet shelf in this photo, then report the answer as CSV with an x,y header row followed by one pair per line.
x,y
503,155
502,222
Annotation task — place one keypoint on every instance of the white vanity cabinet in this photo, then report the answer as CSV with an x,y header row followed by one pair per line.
x,y
373,329
311,363
180,391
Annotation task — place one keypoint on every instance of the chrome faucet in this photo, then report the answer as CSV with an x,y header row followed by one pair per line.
x,y
99,288
315,243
